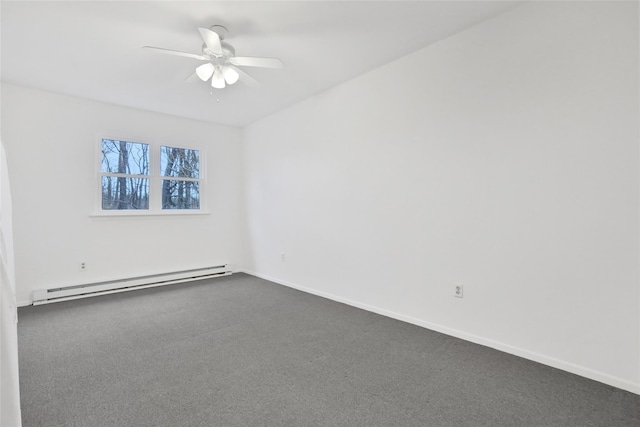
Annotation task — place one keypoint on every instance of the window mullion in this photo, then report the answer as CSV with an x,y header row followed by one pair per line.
x,y
124,175
154,167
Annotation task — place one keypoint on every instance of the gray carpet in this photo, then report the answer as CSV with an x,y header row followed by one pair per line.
x,y
241,351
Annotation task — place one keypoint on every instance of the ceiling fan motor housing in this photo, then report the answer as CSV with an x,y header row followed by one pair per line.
x,y
228,52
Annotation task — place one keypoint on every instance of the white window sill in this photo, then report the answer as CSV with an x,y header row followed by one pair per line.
x,y
132,213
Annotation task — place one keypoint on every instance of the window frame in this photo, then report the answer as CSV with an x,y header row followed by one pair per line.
x,y
155,180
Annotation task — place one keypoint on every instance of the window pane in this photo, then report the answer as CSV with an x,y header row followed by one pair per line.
x,y
179,162
180,194
125,157
125,193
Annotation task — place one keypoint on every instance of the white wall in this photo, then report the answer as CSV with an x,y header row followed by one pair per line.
x,y
52,141
504,158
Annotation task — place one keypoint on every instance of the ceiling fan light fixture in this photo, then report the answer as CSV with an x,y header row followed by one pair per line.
x,y
230,75
205,71
217,81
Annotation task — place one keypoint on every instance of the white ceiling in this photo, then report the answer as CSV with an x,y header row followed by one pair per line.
x,y
94,49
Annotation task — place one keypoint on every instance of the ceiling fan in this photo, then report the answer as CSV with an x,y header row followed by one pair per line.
x,y
221,63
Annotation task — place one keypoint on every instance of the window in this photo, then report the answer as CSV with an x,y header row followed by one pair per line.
x,y
180,170
129,181
125,175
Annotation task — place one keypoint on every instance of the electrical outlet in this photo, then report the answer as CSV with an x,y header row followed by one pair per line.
x,y
283,257
83,266
458,293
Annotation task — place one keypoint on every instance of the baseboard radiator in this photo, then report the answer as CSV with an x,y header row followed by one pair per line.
x,y
46,296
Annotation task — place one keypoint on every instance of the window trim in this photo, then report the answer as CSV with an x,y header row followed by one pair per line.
x,y
155,180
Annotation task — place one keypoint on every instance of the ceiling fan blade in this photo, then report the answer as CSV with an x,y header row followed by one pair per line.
x,y
248,61
175,52
212,40
244,77
217,80
192,78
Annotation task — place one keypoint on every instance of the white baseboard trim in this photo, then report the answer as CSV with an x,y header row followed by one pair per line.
x,y
517,351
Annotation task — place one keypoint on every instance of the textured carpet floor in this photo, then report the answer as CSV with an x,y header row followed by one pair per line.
x,y
241,351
